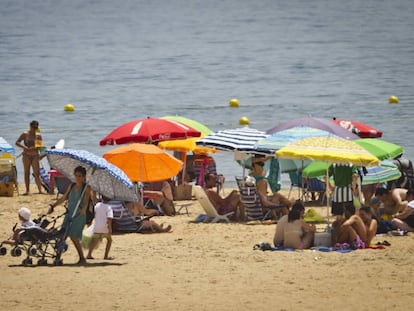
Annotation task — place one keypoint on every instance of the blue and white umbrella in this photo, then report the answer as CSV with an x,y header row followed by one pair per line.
x,y
102,176
240,139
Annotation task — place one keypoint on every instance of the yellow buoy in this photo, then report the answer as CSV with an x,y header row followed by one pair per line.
x,y
393,100
244,121
234,103
69,107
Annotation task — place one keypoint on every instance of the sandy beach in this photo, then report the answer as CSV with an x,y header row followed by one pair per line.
x,y
206,267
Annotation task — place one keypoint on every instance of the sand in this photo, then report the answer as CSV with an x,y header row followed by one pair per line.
x,y
206,267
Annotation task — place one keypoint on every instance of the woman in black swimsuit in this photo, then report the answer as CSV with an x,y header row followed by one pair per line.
x,y
31,157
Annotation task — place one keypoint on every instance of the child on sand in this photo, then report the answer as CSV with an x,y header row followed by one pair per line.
x,y
102,227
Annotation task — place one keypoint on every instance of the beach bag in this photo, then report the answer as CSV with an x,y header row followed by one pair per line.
x,y
87,235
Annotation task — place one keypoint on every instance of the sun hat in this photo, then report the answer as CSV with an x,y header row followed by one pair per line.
x,y
25,213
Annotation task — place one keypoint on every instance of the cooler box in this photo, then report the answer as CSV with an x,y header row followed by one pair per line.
x,y
322,239
6,189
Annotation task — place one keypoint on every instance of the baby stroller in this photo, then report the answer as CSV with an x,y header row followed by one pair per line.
x,y
45,240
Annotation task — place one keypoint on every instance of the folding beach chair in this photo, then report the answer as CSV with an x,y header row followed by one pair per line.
x,y
315,187
251,200
210,210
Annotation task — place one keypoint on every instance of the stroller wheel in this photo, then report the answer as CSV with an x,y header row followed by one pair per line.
x,y
27,261
16,252
58,262
32,251
42,262
3,251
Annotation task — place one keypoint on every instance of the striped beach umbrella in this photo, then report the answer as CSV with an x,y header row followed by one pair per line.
x,y
239,139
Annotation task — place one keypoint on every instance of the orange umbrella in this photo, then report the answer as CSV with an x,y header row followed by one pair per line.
x,y
144,162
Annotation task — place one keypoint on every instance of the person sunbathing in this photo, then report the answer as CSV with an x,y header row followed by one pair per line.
x,y
370,223
281,223
162,196
394,200
146,225
405,219
351,230
262,185
230,203
296,232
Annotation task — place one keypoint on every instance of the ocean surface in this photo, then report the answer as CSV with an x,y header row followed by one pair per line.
x,y
116,61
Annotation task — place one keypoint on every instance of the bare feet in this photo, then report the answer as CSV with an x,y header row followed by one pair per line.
x,y
167,229
109,258
82,261
90,257
26,193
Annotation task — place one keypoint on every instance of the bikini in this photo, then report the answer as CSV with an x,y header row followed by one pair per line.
x,y
29,143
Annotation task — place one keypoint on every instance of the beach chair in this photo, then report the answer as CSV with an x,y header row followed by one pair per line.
x,y
210,210
62,183
251,200
296,182
316,187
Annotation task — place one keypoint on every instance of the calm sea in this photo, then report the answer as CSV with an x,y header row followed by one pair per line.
x,y
121,60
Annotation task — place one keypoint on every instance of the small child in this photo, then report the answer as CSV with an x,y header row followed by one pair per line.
x,y
102,227
24,217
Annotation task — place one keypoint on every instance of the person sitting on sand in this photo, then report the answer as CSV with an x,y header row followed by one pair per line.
x,y
370,223
351,230
296,232
231,203
394,200
276,198
102,227
405,219
281,223
24,217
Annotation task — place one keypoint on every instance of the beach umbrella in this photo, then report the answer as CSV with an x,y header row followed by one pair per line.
x,y
386,171
6,147
102,176
329,149
280,139
144,162
240,139
380,148
319,123
149,130
189,144
361,129
190,122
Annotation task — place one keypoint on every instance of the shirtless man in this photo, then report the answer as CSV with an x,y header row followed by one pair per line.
x,y
370,223
352,230
394,200
230,203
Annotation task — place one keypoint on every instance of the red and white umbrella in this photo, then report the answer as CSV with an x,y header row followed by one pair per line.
x,y
149,130
361,129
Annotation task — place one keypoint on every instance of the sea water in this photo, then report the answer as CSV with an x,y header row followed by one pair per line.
x,y
119,61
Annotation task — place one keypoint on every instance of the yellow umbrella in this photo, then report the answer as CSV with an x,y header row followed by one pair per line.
x,y
144,162
185,145
329,149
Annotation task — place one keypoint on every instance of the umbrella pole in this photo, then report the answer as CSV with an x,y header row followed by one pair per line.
x,y
327,198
